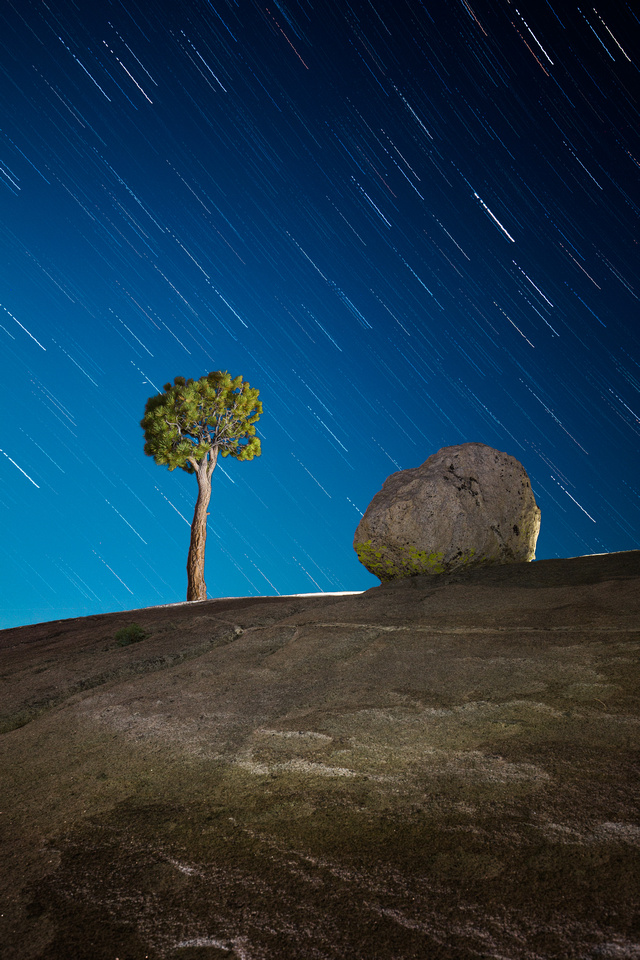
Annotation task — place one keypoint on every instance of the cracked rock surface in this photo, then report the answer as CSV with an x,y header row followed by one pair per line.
x,y
442,767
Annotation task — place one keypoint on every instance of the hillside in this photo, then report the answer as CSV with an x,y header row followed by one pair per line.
x,y
442,767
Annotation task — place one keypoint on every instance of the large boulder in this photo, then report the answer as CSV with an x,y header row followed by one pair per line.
x,y
465,506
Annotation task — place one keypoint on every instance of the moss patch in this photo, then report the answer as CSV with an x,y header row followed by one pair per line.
x,y
130,634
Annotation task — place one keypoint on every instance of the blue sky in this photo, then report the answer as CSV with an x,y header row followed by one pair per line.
x,y
410,225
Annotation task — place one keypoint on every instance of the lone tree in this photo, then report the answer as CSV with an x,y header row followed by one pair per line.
x,y
187,426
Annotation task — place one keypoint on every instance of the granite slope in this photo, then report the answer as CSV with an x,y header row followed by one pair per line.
x,y
442,767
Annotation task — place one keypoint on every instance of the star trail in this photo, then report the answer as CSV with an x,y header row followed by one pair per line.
x,y
408,224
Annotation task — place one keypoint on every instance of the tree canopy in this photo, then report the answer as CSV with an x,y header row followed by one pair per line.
x,y
195,417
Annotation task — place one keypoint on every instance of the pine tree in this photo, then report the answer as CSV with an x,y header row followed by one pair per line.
x,y
187,426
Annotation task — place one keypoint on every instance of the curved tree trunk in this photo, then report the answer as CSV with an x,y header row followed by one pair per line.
x,y
196,587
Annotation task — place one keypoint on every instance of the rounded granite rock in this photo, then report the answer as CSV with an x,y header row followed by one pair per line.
x,y
467,505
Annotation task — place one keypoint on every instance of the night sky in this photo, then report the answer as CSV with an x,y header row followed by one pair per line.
x,y
408,224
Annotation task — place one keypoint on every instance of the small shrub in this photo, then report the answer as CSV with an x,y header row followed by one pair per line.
x,y
131,634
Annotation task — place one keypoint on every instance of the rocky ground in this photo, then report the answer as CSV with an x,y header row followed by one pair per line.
x,y
443,767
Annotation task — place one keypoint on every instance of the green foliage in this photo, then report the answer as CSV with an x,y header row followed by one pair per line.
x,y
194,418
131,634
